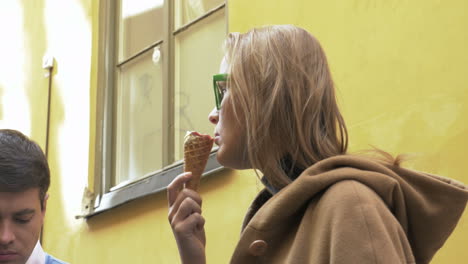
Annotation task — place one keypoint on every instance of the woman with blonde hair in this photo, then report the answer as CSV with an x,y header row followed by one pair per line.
x,y
276,113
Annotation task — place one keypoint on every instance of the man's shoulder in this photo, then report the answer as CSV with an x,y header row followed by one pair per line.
x,y
51,260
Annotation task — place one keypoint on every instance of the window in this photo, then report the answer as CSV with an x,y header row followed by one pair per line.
x,y
154,85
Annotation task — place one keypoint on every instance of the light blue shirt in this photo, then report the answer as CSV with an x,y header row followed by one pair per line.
x,y
38,256
51,260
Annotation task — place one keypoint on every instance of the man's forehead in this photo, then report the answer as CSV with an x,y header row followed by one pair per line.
x,y
24,192
6,213
18,201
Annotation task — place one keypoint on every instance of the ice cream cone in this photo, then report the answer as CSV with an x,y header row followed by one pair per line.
x,y
197,149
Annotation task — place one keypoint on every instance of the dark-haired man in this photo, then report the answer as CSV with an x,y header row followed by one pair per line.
x,y
24,181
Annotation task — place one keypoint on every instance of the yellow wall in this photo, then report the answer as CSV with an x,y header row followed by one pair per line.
x,y
400,67
137,232
401,70
23,86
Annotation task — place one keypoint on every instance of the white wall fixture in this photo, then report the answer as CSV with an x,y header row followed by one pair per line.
x,y
156,55
47,61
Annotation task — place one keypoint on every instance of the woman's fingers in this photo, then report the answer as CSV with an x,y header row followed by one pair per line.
x,y
177,194
187,208
186,220
176,186
194,224
184,194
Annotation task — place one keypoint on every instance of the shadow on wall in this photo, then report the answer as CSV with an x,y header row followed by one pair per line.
x,y
1,104
128,212
53,157
36,86
154,203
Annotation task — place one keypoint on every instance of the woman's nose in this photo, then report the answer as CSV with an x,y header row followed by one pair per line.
x,y
214,116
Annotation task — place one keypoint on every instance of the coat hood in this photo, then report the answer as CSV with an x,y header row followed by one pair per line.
x,y
427,206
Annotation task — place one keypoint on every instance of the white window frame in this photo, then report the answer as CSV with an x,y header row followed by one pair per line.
x,y
103,197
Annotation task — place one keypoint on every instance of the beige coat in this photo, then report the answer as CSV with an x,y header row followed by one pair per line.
x,y
349,209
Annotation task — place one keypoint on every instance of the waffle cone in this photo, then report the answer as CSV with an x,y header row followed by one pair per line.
x,y
197,149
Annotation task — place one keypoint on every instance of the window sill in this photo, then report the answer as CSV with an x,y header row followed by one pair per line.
x,y
150,185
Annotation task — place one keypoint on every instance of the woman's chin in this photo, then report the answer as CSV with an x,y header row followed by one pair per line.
x,y
220,157
230,161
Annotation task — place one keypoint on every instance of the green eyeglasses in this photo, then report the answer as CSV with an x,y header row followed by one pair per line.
x,y
219,86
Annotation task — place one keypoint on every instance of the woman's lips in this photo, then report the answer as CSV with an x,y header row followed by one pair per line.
x,y
216,139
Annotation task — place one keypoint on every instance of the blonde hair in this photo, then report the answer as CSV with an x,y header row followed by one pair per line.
x,y
281,89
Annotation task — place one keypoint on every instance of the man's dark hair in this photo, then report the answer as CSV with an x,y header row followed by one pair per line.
x,y
23,164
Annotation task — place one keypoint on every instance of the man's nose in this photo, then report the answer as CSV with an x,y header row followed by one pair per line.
x,y
214,116
7,235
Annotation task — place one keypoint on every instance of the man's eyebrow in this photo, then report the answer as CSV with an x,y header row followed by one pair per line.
x,y
25,212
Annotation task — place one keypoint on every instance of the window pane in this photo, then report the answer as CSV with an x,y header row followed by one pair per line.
x,y
141,23
188,10
198,56
139,119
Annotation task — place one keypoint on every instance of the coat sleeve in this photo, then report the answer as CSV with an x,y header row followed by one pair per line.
x,y
351,224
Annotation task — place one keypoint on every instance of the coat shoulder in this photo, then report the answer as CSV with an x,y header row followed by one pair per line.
x,y
356,221
350,193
